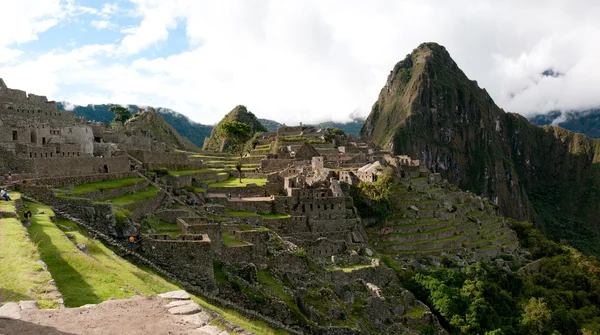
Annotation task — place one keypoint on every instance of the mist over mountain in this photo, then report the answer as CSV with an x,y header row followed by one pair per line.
x,y
585,122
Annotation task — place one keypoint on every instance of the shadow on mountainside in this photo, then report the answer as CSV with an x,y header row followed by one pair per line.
x,y
19,327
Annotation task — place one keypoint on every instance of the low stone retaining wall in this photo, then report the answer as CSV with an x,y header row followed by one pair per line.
x,y
241,254
249,191
187,180
76,180
141,208
113,193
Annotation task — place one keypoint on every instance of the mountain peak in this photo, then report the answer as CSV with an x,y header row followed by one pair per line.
x,y
239,114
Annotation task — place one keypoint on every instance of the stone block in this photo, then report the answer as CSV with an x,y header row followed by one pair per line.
x,y
28,304
178,295
187,309
10,310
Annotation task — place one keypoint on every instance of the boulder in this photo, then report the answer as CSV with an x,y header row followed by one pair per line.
x,y
83,248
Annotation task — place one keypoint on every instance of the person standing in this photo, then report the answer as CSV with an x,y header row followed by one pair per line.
x,y
132,242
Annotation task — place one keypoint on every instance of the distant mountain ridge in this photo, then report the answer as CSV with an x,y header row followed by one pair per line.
x,y
352,127
586,122
193,131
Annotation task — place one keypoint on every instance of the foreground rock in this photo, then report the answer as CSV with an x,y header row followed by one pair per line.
x,y
138,315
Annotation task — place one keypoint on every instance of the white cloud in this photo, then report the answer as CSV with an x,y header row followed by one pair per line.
x,y
102,24
310,60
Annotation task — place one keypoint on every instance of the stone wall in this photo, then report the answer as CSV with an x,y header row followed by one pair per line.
x,y
171,215
98,216
187,180
248,191
199,225
115,192
188,257
257,238
322,247
76,180
78,166
142,208
241,254
169,160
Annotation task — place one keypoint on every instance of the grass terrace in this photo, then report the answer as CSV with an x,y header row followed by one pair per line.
x,y
189,172
21,277
262,215
82,278
235,182
230,241
105,185
9,206
135,197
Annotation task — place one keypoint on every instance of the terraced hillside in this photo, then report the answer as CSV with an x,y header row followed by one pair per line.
x,y
429,218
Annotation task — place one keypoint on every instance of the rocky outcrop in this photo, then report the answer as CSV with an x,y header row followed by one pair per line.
x,y
239,114
150,124
430,110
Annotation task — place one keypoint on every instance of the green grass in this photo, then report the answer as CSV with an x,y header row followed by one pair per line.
x,y
170,229
255,326
235,182
21,278
188,172
230,241
87,279
416,313
249,227
266,216
351,268
9,206
104,185
136,197
267,280
220,276
240,213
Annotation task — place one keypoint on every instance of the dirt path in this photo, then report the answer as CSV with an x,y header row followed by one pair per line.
x,y
139,315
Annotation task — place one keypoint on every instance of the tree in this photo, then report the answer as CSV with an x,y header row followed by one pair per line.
x,y
236,134
536,316
122,114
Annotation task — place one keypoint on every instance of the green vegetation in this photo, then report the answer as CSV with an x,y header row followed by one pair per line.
x,y
350,268
374,199
236,134
263,215
234,182
104,185
21,278
560,297
269,281
135,197
122,114
9,206
230,241
87,278
255,326
188,172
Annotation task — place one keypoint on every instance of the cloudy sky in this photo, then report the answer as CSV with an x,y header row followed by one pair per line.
x,y
294,60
